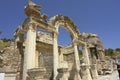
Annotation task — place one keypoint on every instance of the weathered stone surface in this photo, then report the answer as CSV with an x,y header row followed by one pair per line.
x,y
10,64
43,58
37,74
10,58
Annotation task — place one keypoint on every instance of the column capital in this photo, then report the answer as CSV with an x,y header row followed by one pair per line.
x,y
55,34
31,26
75,41
85,45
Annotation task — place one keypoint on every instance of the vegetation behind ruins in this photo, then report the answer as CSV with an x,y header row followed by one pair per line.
x,y
113,53
4,43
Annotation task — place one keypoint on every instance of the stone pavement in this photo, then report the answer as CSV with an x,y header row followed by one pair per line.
x,y
113,76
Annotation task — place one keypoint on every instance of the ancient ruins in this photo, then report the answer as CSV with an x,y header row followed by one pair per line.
x,y
42,58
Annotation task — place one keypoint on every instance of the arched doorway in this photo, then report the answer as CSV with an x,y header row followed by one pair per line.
x,y
68,25
64,38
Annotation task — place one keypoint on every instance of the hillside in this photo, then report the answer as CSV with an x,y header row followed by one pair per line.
x,y
113,53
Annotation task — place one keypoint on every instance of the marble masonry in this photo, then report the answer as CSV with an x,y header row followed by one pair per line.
x,y
42,58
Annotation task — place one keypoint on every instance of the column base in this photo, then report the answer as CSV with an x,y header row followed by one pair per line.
x,y
62,74
86,72
77,76
36,74
94,72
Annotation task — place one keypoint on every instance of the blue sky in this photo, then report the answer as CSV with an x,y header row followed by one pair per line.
x,y
101,17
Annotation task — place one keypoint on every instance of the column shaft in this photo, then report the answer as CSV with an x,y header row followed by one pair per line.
x,y
55,56
61,59
77,63
36,59
30,47
87,73
102,55
94,72
22,61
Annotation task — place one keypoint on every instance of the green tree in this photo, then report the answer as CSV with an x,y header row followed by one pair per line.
x,y
117,49
80,52
109,52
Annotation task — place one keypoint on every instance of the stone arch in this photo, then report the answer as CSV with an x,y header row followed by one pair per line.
x,y
66,23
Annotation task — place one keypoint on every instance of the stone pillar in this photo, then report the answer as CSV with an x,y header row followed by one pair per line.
x,y
19,39
30,47
61,59
41,60
37,59
101,52
87,75
55,56
94,72
77,62
22,60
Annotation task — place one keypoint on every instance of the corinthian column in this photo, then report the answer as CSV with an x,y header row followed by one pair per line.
x,y
77,62
55,56
30,47
87,75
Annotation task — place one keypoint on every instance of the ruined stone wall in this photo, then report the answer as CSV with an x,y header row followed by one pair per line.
x,y
43,37
10,62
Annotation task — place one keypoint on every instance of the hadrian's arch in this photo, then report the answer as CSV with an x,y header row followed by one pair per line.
x,y
65,22
42,58
48,43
